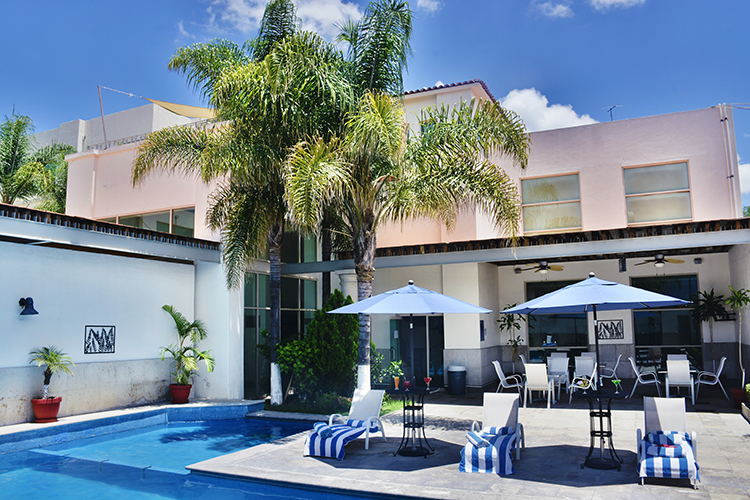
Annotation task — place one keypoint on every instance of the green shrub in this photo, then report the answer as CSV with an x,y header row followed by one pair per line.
x,y
325,359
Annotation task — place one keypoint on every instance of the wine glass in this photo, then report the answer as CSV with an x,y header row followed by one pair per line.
x,y
407,384
617,386
427,381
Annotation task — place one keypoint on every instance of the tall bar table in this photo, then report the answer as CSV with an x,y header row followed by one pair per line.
x,y
601,429
413,441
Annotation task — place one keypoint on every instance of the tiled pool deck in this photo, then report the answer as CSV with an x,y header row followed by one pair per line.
x,y
556,443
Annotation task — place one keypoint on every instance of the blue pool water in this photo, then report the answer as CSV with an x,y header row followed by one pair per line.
x,y
147,463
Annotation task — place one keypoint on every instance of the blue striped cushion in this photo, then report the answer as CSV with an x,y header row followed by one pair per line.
x,y
495,458
332,447
668,437
362,423
672,451
659,462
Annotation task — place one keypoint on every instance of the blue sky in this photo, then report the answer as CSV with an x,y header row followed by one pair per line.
x,y
557,62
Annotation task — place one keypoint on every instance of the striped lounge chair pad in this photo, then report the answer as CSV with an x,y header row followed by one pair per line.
x,y
363,423
332,447
495,458
660,463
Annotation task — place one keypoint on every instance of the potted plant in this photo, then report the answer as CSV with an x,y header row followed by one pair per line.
x,y
54,361
737,300
511,322
185,354
708,306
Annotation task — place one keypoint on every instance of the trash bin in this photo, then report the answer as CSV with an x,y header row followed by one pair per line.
x,y
457,380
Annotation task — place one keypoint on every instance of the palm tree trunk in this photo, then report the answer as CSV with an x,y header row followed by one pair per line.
x,y
325,245
364,260
274,243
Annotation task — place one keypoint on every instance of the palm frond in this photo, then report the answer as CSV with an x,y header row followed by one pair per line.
x,y
279,21
171,149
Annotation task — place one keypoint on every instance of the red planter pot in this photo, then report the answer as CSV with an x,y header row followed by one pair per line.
x,y
180,393
738,396
45,410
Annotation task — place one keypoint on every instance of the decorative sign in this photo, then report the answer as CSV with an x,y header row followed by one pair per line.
x,y
99,339
610,329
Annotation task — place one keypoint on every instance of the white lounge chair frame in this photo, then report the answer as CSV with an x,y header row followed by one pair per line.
x,y
501,410
664,414
365,406
557,370
584,382
610,373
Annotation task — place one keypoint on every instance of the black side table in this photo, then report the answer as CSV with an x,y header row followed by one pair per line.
x,y
411,440
602,431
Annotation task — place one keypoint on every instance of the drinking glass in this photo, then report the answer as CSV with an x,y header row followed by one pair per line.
x,y
407,384
427,381
395,382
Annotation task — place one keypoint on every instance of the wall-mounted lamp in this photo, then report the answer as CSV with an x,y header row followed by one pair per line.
x,y
28,306
517,270
697,260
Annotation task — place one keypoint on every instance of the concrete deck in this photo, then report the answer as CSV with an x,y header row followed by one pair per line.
x,y
550,467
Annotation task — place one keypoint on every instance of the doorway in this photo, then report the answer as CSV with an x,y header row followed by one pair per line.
x,y
428,345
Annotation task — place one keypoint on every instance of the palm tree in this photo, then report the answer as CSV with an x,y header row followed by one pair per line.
x,y
373,174
186,354
737,300
268,101
53,360
26,174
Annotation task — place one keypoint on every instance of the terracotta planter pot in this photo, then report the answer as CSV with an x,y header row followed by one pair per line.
x,y
180,393
45,410
738,396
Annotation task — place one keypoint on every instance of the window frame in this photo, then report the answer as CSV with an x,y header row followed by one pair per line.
x,y
170,210
540,204
689,191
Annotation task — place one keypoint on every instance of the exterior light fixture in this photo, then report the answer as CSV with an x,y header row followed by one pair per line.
x,y
697,260
28,306
517,270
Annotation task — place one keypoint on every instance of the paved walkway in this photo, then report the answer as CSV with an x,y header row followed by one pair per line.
x,y
550,466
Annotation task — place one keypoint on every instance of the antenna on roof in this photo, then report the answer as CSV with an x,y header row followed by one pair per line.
x,y
613,107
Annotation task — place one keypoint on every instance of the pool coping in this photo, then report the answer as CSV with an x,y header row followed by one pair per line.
x,y
22,437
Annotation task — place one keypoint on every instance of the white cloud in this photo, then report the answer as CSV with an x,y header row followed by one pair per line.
x,y
323,16
538,114
316,15
554,10
430,6
183,32
603,5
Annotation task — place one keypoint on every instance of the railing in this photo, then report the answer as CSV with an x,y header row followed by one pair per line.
x,y
62,220
140,137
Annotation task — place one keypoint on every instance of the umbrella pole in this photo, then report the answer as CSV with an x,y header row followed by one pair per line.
x,y
598,385
411,344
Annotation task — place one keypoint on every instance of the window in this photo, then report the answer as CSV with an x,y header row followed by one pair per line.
x,y
551,203
658,193
563,330
176,221
659,332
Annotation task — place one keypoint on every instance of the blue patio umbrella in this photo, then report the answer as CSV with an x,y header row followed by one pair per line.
x,y
594,294
410,300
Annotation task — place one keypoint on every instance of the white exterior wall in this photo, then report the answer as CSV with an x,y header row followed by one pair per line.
x,y
74,289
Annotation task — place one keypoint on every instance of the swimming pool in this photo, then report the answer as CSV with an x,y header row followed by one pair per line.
x,y
141,457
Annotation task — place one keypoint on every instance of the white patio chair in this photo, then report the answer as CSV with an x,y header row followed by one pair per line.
x,y
665,423
557,369
583,366
584,382
677,357
678,375
711,378
644,378
501,410
607,372
587,354
507,382
558,355
537,380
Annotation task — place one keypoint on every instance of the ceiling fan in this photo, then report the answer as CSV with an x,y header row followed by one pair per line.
x,y
541,267
659,261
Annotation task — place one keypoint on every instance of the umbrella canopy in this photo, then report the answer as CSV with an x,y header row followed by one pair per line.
x,y
410,299
595,294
